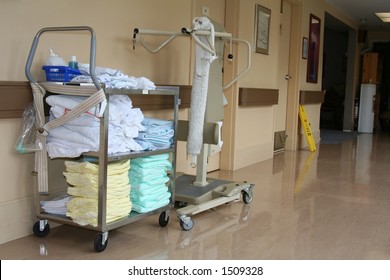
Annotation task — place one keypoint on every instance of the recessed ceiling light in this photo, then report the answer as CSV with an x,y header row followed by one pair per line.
x,y
385,17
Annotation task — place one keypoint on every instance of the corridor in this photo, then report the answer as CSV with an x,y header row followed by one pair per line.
x,y
330,204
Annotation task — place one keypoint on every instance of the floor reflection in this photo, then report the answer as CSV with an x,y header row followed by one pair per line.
x,y
328,204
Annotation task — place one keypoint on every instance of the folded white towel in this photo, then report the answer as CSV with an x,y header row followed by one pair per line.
x,y
57,148
120,107
57,205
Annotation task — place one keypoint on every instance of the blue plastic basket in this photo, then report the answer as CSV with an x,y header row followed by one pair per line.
x,y
60,73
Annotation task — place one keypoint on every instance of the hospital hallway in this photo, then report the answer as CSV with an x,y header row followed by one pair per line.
x,y
330,204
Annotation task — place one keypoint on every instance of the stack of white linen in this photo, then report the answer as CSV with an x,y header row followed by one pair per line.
x,y
113,78
158,134
82,134
83,179
148,179
57,205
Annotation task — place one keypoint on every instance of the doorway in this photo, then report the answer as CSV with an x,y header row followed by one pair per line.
x,y
337,110
286,112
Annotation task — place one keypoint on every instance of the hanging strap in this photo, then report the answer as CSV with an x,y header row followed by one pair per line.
x,y
40,156
210,38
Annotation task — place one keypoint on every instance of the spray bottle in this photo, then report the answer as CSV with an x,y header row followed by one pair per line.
x,y
73,62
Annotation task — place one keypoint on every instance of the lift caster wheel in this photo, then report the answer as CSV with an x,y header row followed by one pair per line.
x,y
186,224
100,242
41,228
163,220
247,196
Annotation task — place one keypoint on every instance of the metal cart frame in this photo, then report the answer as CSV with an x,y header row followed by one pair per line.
x,y
42,228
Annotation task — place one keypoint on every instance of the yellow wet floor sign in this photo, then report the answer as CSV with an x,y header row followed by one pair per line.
x,y
307,129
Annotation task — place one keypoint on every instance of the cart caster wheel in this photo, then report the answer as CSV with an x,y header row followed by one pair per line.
x,y
247,196
187,224
163,220
41,232
99,244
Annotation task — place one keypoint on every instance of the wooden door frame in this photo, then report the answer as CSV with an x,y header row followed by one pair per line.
x,y
294,71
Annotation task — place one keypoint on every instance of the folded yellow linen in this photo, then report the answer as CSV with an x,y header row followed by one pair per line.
x,y
92,192
84,211
91,180
92,168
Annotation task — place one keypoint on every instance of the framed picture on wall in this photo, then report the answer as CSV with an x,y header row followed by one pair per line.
x,y
262,27
305,45
314,49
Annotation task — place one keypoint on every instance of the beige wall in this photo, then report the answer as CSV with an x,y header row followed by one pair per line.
x,y
113,24
248,132
17,210
256,144
254,126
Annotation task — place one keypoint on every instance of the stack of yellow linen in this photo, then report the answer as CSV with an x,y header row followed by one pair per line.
x,y
83,178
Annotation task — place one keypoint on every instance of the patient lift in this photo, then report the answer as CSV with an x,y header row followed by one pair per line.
x,y
195,194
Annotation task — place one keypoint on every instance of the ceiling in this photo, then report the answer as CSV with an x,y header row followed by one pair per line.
x,y
364,9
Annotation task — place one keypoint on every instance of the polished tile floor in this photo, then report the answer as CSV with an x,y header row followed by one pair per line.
x,y
330,204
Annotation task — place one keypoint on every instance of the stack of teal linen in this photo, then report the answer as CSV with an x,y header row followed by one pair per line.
x,y
83,178
149,177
